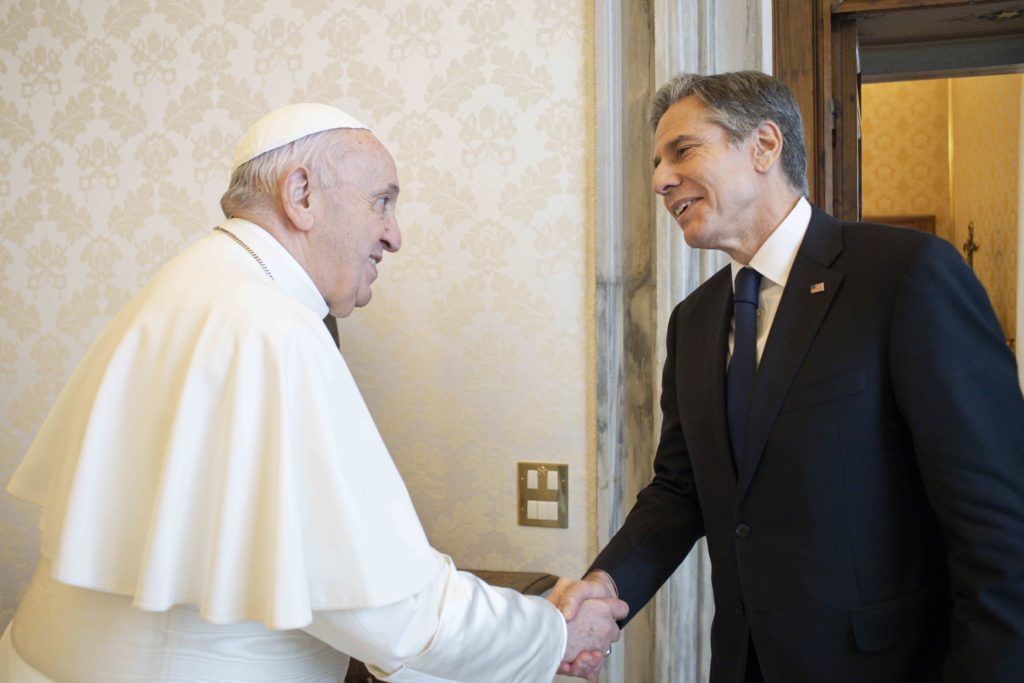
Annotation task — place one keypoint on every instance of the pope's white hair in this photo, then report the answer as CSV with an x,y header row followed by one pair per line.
x,y
254,184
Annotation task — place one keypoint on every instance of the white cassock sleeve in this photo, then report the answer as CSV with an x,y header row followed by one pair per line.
x,y
457,629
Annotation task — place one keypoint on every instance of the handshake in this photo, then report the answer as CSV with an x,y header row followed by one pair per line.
x,y
590,607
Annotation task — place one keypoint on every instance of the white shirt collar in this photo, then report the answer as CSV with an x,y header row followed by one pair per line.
x,y
288,274
775,258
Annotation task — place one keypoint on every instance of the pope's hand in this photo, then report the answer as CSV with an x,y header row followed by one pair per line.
x,y
591,610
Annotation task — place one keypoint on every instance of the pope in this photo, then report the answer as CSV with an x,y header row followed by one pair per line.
x,y
217,502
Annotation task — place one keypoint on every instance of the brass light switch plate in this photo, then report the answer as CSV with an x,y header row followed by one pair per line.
x,y
544,494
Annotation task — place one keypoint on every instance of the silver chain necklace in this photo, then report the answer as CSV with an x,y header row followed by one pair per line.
x,y
248,249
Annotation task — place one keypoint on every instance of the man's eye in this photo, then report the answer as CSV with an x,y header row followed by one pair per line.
x,y
384,200
680,151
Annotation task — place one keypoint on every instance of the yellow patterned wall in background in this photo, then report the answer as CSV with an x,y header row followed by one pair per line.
x,y
948,147
117,122
905,150
986,129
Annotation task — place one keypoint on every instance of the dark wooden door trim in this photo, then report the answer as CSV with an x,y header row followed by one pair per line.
x,y
851,6
802,57
846,140
815,50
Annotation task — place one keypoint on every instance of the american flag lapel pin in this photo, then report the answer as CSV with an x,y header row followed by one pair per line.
x,y
817,287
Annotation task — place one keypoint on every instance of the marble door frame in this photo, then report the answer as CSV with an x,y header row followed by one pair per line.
x,y
643,269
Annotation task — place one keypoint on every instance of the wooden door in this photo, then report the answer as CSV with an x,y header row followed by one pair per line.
x,y
802,57
846,139
817,49
816,52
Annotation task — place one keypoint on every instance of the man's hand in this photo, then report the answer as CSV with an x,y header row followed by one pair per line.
x,y
568,594
590,609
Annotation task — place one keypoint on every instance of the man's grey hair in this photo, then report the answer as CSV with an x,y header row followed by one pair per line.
x,y
253,185
739,102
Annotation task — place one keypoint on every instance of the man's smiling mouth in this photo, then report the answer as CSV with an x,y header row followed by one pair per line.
x,y
684,206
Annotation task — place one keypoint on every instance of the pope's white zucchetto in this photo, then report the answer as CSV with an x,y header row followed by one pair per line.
x,y
288,124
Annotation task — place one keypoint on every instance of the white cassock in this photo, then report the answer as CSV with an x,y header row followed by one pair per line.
x,y
218,505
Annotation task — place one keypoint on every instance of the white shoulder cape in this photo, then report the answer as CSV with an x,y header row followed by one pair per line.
x,y
212,448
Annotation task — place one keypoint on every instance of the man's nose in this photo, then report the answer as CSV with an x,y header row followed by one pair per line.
x,y
663,180
392,237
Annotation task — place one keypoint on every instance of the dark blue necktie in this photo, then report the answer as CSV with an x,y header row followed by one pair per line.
x,y
743,366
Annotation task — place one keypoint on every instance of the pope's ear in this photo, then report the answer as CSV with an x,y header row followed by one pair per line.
x,y
293,188
767,145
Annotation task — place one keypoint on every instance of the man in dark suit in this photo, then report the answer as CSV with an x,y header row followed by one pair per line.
x,y
862,494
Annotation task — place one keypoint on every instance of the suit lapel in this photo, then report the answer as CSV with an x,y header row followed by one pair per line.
x,y
809,292
700,360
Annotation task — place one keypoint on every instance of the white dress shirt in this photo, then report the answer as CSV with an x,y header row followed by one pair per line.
x,y
773,260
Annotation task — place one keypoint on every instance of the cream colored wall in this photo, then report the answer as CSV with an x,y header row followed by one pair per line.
x,y
949,147
985,119
116,125
905,150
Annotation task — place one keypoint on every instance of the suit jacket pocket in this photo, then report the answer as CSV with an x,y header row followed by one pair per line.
x,y
823,391
900,621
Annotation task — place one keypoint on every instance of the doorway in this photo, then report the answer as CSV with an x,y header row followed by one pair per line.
x,y
826,50
942,155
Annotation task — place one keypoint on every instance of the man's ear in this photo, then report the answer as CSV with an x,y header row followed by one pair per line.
x,y
767,145
293,189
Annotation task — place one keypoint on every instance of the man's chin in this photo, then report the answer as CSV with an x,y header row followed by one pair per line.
x,y
692,237
363,298
342,309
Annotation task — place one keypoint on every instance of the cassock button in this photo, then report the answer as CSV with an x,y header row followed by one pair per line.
x,y
742,530
739,608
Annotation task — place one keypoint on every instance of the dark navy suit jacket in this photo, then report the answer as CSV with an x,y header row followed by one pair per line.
x,y
874,530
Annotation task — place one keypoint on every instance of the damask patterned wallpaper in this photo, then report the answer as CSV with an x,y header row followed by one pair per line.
x,y
117,122
948,147
905,150
986,129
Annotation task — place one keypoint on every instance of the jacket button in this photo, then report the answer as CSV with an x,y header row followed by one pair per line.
x,y
742,530
739,608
